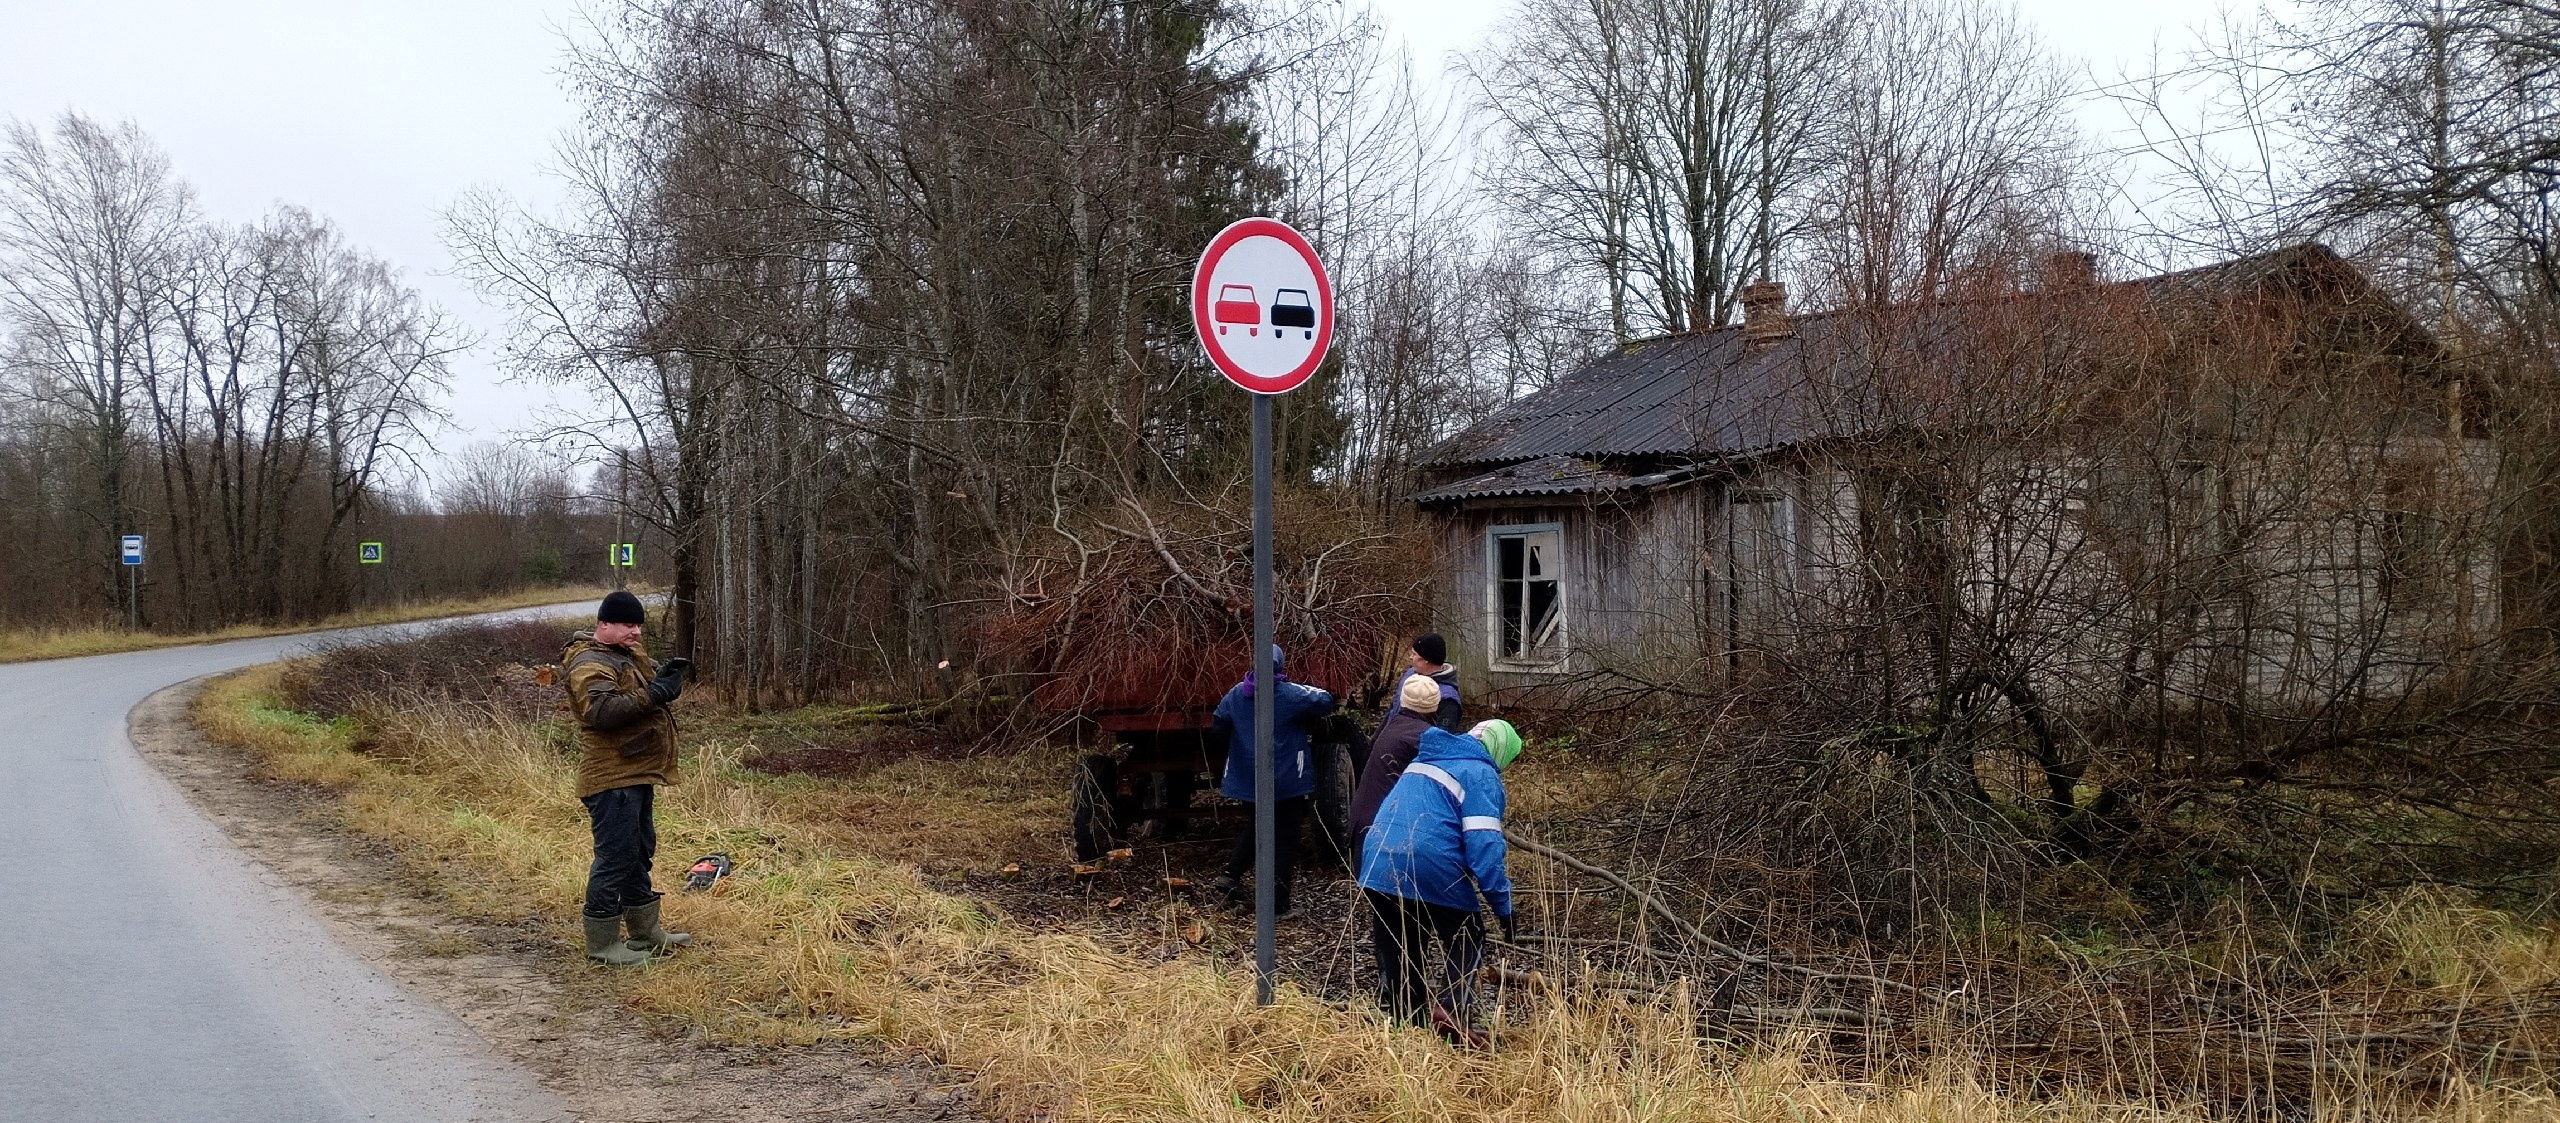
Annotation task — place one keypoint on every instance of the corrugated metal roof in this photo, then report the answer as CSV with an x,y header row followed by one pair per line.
x,y
1705,395
1674,395
1550,475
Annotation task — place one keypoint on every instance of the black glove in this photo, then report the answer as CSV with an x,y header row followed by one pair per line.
x,y
678,665
669,683
1510,934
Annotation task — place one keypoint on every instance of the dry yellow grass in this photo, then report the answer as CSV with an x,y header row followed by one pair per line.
x,y
66,643
823,936
2431,938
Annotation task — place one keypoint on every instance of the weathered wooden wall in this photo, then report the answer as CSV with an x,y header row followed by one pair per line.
x,y
1634,589
1767,565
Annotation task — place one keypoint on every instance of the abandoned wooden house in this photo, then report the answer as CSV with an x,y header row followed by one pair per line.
x,y
2256,479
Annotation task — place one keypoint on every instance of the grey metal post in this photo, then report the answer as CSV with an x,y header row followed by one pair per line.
x,y
621,499
1266,862
133,598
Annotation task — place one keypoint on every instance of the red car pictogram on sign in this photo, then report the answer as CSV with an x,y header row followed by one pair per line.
x,y
1262,276
1236,305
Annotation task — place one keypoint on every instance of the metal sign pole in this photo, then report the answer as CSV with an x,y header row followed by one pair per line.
x,y
132,598
621,499
1266,862
1250,258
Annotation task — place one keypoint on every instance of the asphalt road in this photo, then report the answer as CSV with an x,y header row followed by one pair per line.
x,y
149,970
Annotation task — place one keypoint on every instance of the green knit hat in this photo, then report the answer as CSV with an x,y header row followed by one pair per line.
x,y
1499,739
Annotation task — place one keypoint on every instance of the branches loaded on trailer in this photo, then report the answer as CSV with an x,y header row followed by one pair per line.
x,y
1141,620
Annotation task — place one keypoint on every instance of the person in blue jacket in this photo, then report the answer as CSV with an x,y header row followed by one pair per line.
x,y
1429,658
1436,845
1297,710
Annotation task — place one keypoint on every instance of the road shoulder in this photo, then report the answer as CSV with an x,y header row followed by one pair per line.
x,y
517,985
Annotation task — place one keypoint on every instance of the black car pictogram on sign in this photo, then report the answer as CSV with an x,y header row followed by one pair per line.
x,y
1293,308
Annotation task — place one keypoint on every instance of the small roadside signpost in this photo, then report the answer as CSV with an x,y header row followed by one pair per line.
x,y
624,555
132,581
368,553
1264,309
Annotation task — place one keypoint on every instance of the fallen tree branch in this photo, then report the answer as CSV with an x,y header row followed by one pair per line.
x,y
1789,1016
1155,538
2497,1049
1693,932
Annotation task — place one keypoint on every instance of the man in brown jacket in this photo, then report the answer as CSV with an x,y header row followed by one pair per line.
x,y
629,737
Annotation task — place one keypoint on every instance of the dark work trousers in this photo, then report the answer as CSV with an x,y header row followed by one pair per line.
x,y
1401,931
1288,816
626,842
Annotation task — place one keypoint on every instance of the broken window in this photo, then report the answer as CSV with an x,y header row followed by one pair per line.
x,y
1529,594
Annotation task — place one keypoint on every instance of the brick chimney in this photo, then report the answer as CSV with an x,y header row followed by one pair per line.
x,y
2070,269
1765,323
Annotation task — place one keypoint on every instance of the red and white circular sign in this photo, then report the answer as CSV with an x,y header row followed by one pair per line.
x,y
1263,305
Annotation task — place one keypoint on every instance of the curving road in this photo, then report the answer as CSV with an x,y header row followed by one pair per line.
x,y
151,971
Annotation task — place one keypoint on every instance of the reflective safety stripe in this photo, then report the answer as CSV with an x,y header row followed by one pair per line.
x,y
1480,823
1436,775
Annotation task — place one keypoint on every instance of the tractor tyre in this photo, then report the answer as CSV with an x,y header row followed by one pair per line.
x,y
1095,808
1165,801
1334,787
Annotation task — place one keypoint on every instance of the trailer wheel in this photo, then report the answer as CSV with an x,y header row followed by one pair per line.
x,y
1095,808
1164,800
1334,785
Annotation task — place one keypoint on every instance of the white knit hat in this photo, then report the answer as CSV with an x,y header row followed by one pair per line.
x,y
1421,694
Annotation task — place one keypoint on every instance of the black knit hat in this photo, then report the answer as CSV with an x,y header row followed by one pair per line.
x,y
620,607
1431,647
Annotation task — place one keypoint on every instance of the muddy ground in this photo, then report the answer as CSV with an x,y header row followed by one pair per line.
x,y
1154,904
520,985
1324,949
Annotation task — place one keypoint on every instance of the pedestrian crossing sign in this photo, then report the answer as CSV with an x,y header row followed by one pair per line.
x,y
369,553
624,555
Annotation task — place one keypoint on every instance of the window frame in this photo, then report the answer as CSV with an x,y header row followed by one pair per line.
x,y
1496,658
1783,553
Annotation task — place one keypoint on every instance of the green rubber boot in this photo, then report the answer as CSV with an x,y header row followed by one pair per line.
x,y
605,945
647,934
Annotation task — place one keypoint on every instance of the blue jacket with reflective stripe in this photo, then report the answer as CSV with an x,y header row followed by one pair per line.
x,y
1438,837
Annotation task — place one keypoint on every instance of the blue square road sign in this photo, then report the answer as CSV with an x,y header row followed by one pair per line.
x,y
133,549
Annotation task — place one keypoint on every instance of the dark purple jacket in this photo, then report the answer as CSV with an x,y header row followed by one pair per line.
x,y
1392,749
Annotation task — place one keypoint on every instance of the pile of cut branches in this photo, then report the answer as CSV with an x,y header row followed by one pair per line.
x,y
1149,606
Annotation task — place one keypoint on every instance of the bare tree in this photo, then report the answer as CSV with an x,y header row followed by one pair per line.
x,y
88,216
239,391
864,282
1662,144
1951,144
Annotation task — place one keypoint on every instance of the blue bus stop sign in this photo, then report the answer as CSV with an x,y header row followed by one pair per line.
x,y
133,549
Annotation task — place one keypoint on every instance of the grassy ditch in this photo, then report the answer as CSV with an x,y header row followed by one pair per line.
x,y
833,930
19,646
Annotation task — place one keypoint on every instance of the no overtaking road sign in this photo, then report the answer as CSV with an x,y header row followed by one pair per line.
x,y
1264,310
1263,305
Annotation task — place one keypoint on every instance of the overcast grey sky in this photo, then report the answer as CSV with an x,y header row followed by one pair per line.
x,y
378,113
